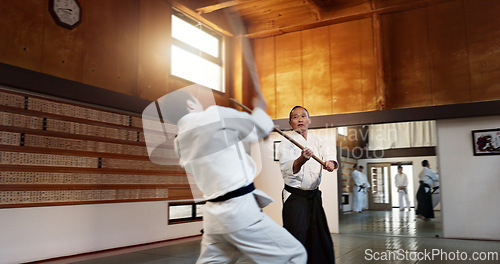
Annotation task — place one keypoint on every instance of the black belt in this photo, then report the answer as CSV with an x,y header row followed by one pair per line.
x,y
232,194
302,193
424,184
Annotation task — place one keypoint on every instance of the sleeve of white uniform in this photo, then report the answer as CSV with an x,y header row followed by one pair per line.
x,y
435,178
263,122
286,157
250,127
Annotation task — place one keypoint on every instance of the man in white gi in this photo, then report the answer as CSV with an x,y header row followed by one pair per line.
x,y
210,147
429,180
401,181
303,214
361,184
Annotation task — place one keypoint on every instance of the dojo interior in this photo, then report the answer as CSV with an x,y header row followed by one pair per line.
x,y
386,83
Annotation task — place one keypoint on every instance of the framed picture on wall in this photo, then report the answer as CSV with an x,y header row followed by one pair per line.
x,y
276,145
486,142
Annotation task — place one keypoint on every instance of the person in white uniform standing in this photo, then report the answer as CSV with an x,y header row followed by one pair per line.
x,y
360,186
303,213
210,147
401,182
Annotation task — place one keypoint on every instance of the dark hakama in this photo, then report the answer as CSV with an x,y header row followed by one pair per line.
x,y
305,219
424,199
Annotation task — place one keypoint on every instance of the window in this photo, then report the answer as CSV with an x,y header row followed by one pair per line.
x,y
185,212
196,52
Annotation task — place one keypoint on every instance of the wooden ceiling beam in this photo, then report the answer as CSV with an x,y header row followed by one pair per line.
x,y
329,21
219,6
200,18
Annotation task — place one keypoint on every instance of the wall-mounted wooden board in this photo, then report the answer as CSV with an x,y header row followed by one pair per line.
x,y
53,152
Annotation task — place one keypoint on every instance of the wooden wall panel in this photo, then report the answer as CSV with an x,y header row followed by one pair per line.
x,y
345,44
127,29
483,33
288,73
336,69
154,48
406,55
63,49
21,30
316,71
448,47
111,44
368,62
264,54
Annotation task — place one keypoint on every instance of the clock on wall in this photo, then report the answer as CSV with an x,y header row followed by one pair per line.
x,y
66,13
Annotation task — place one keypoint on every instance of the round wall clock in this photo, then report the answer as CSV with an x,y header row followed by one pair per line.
x,y
66,13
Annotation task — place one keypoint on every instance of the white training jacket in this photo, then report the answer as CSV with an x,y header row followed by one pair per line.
x,y
210,148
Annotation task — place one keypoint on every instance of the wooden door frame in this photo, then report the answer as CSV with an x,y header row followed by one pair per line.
x,y
371,205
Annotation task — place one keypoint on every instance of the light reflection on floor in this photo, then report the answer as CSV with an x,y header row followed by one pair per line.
x,y
392,223
364,238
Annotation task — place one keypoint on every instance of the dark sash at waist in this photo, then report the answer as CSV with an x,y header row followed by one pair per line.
x,y
424,184
232,194
302,193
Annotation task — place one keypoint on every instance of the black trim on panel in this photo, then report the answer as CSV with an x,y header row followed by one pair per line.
x,y
388,153
16,77
21,143
402,115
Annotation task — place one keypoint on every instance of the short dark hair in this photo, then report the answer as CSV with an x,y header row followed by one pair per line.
x,y
361,167
174,105
295,107
400,167
425,163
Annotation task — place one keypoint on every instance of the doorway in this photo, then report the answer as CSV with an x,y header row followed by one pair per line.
x,y
384,194
379,196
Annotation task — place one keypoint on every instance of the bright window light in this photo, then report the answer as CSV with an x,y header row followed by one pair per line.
x,y
196,69
196,53
193,36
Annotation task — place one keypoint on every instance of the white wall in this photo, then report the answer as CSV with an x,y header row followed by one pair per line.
x,y
36,233
470,184
271,182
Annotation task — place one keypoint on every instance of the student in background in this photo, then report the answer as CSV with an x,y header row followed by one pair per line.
x,y
401,182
